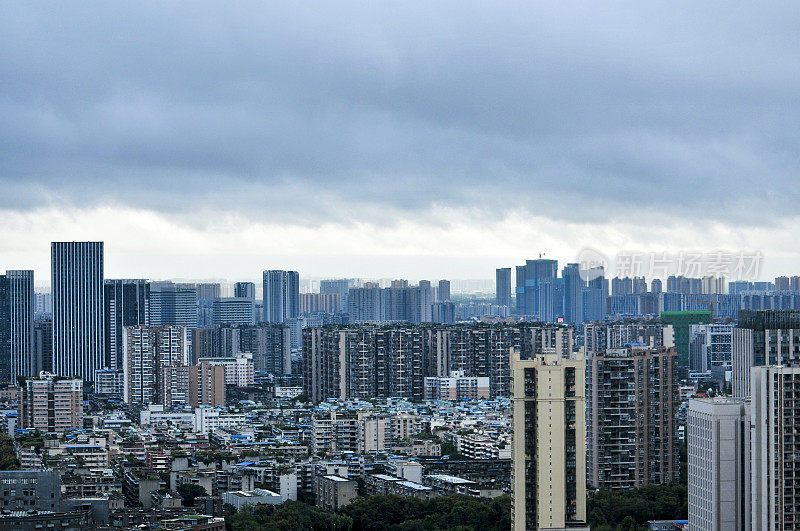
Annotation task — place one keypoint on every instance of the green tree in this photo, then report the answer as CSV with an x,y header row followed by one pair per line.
x,y
190,491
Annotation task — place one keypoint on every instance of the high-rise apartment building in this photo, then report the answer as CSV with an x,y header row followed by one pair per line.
x,y
51,404
193,385
319,302
794,283
763,337
281,295
548,453
245,289
341,287
718,447
443,291
655,286
710,345
632,404
147,350
367,361
127,303
78,316
775,447
503,286
600,336
782,283
365,305
685,285
443,312
238,369
270,345
712,285
17,349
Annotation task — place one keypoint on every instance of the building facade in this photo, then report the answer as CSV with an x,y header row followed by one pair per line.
x,y
718,446
632,401
548,476
127,303
17,305
78,316
775,447
281,295
147,350
49,403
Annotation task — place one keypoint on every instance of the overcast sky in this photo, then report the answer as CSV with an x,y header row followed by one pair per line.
x,y
408,139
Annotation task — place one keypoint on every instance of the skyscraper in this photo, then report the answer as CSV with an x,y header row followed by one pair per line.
x,y
245,289
341,287
127,303
443,293
573,293
775,447
147,351
43,342
365,304
538,291
503,286
782,284
281,295
763,337
548,477
173,304
632,404
17,353
718,447
78,317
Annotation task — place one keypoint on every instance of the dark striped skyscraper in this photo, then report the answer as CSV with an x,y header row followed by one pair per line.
x,y
281,295
78,317
16,325
127,303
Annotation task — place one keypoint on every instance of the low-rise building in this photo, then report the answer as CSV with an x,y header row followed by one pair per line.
x,y
334,492
240,498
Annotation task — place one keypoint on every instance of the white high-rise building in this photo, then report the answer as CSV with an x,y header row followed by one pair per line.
x,y
148,350
718,437
775,447
78,316
548,476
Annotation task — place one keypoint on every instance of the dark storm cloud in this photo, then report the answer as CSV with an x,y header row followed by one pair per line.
x,y
358,111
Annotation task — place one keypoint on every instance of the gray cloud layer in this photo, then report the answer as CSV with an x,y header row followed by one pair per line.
x,y
354,110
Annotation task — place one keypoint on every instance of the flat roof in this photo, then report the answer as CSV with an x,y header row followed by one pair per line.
x,y
450,479
335,478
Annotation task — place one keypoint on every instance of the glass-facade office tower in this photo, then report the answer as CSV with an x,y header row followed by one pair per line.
x,y
78,317
16,325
